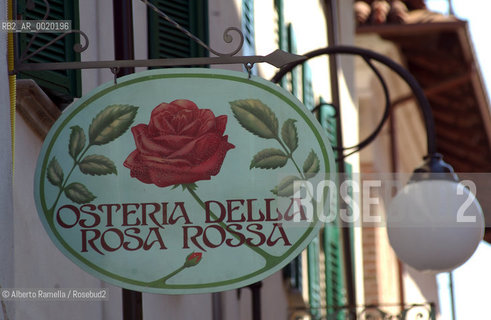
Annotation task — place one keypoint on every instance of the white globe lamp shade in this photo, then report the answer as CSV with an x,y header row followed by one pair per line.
x,y
435,225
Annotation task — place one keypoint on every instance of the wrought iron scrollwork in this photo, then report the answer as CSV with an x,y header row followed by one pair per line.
x,y
417,311
227,36
77,47
277,58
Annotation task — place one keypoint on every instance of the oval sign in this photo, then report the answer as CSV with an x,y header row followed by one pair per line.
x,y
181,181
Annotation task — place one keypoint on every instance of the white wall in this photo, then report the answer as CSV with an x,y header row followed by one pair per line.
x,y
96,21
418,287
38,263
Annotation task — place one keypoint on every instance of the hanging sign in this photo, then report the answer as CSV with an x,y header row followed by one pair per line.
x,y
182,180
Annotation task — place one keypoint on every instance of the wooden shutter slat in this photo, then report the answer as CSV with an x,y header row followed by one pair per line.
x,y
62,83
165,40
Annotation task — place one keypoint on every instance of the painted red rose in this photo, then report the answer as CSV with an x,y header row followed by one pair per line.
x,y
181,144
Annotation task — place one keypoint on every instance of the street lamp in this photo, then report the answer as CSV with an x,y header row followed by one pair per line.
x,y
434,223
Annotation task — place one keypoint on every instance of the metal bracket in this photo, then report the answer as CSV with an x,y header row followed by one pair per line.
x,y
277,58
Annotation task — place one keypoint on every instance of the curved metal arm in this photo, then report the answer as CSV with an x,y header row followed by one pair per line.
x,y
369,55
385,116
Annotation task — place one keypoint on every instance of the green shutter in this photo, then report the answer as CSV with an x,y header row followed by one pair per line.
x,y
331,235
333,268
293,273
349,176
327,118
313,252
249,47
281,32
307,90
280,25
166,41
61,84
292,48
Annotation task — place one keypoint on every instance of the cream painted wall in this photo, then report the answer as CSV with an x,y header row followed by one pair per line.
x,y
97,22
266,35
222,15
410,143
350,118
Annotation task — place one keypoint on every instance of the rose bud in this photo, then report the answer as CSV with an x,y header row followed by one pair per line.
x,y
192,259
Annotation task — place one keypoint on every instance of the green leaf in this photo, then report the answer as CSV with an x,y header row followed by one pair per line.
x,y
256,117
111,123
269,159
78,193
77,141
311,165
188,186
97,165
285,187
289,134
55,173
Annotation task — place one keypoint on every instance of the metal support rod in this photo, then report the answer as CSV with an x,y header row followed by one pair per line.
x,y
123,33
277,58
452,295
132,305
216,306
256,300
124,49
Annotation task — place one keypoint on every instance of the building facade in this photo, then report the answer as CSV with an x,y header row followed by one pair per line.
x,y
313,286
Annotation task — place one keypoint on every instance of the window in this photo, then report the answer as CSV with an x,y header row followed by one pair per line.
x,y
280,32
313,253
292,48
60,85
166,41
307,90
333,267
249,47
